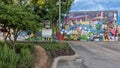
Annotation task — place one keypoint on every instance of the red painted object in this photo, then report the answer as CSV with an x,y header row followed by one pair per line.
x,y
59,36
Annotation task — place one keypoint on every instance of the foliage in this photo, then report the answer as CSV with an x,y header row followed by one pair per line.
x,y
26,58
10,58
24,46
50,11
18,18
18,15
54,46
55,49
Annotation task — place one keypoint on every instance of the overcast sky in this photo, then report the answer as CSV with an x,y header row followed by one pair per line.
x,y
93,5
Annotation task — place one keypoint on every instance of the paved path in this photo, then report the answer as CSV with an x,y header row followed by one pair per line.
x,y
94,55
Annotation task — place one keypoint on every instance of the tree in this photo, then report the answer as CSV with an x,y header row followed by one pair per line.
x,y
43,8
18,2
50,11
18,18
46,9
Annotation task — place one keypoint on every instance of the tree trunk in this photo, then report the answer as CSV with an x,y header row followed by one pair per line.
x,y
14,41
6,36
9,35
15,37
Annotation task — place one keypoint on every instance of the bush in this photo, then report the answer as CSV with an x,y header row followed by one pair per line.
x,y
25,58
54,46
8,57
20,46
21,58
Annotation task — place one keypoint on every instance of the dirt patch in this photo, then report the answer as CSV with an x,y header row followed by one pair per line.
x,y
62,52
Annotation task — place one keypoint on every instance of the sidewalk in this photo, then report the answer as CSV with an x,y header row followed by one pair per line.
x,y
78,63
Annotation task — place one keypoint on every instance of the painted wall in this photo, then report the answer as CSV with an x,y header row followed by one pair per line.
x,y
91,26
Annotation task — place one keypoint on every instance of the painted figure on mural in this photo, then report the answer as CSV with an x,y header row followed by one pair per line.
x,y
114,33
86,24
106,37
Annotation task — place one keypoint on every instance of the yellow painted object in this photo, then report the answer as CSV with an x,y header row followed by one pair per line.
x,y
106,39
66,26
75,37
83,22
65,37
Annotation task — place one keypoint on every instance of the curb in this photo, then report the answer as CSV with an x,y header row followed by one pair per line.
x,y
65,58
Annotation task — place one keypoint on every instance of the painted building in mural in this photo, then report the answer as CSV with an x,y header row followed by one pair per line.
x,y
91,26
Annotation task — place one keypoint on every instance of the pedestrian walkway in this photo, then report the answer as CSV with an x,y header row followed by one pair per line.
x,y
70,64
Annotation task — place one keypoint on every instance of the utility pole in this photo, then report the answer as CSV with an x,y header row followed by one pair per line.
x,y
59,11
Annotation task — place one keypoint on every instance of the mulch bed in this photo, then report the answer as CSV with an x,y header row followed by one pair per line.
x,y
63,52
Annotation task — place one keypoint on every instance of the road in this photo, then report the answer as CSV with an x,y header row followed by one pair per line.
x,y
94,55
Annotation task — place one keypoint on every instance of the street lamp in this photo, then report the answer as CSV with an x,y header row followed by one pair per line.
x,y
60,1
59,11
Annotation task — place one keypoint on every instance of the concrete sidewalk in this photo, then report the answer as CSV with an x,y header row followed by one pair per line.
x,y
77,63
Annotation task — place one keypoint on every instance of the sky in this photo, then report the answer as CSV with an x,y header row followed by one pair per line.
x,y
94,5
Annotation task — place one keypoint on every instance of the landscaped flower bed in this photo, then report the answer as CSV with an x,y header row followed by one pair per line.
x,y
55,49
22,56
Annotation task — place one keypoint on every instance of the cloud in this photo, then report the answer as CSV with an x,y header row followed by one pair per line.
x,y
100,7
84,5
76,1
81,1
94,5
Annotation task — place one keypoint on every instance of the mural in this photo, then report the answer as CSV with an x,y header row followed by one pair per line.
x,y
90,26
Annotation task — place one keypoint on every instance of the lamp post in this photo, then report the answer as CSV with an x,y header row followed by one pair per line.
x,y
60,2
59,11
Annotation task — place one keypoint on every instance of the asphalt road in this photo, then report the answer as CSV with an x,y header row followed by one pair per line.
x,y
94,55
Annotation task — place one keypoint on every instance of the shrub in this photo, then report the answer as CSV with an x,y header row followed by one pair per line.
x,y
54,46
20,46
8,57
21,58
25,58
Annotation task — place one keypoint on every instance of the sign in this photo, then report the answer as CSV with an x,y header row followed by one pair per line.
x,y
46,32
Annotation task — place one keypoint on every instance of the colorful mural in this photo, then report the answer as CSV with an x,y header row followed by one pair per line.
x,y
90,26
